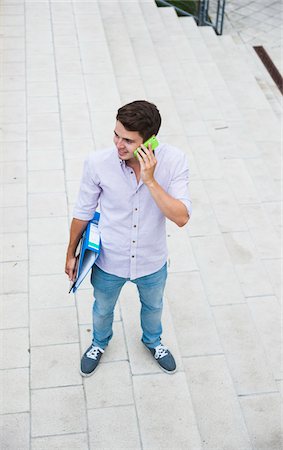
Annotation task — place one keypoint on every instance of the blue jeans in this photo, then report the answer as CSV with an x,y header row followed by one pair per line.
x,y
107,287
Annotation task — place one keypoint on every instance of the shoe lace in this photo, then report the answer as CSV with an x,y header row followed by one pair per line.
x,y
94,352
160,351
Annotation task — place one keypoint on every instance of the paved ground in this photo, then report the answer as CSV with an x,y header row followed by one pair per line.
x,y
66,68
257,23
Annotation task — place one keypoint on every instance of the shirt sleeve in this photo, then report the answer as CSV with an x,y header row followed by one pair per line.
x,y
89,192
179,185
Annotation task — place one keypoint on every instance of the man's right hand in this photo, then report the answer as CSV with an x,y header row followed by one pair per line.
x,y
77,229
71,267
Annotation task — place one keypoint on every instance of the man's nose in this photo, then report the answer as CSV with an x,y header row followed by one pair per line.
x,y
120,142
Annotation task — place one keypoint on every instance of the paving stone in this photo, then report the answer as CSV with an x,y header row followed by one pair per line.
x,y
269,152
43,121
47,259
271,130
273,267
42,105
180,254
49,291
266,314
17,99
14,132
53,326
72,96
245,355
13,219
46,181
58,411
13,195
15,396
71,441
250,270
203,220
130,87
13,172
124,428
95,57
14,247
14,311
40,74
76,129
78,147
55,365
219,279
72,190
225,206
14,276
272,209
219,417
159,430
102,91
110,385
15,431
239,180
74,168
262,233
206,157
193,321
13,151
44,139
47,205
262,416
45,230
15,348
170,118
42,89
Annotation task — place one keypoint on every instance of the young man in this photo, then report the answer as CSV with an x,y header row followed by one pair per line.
x,y
136,195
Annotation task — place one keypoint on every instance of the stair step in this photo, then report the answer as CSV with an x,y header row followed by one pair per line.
x,y
246,94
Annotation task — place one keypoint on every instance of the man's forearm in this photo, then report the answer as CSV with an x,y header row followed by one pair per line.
x,y
172,208
76,231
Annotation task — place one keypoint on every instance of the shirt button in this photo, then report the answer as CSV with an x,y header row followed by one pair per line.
x,y
132,171
135,226
136,209
134,242
133,256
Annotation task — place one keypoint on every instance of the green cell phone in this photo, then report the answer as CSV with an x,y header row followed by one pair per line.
x,y
153,141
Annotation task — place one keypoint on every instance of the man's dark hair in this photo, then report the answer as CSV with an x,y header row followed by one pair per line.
x,y
141,116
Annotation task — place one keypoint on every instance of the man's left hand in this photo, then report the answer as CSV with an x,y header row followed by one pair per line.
x,y
147,162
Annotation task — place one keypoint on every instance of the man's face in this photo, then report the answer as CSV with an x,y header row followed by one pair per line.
x,y
126,141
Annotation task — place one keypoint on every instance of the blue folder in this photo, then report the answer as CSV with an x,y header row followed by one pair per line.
x,y
89,251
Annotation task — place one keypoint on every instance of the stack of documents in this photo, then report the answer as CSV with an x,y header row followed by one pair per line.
x,y
89,251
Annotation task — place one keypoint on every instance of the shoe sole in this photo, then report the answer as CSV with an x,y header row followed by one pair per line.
x,y
86,375
170,372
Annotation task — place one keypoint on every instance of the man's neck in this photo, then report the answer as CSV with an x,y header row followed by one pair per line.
x,y
134,164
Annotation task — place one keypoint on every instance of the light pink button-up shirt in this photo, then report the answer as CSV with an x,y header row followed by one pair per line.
x,y
132,227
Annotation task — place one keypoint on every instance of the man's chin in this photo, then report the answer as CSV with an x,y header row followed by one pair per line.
x,y
125,156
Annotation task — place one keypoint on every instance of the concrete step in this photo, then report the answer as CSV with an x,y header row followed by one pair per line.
x,y
261,74
241,132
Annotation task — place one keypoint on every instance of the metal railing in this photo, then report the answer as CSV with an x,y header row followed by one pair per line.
x,y
209,13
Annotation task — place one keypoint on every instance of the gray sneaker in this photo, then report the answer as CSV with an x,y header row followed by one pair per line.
x,y
90,360
164,358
